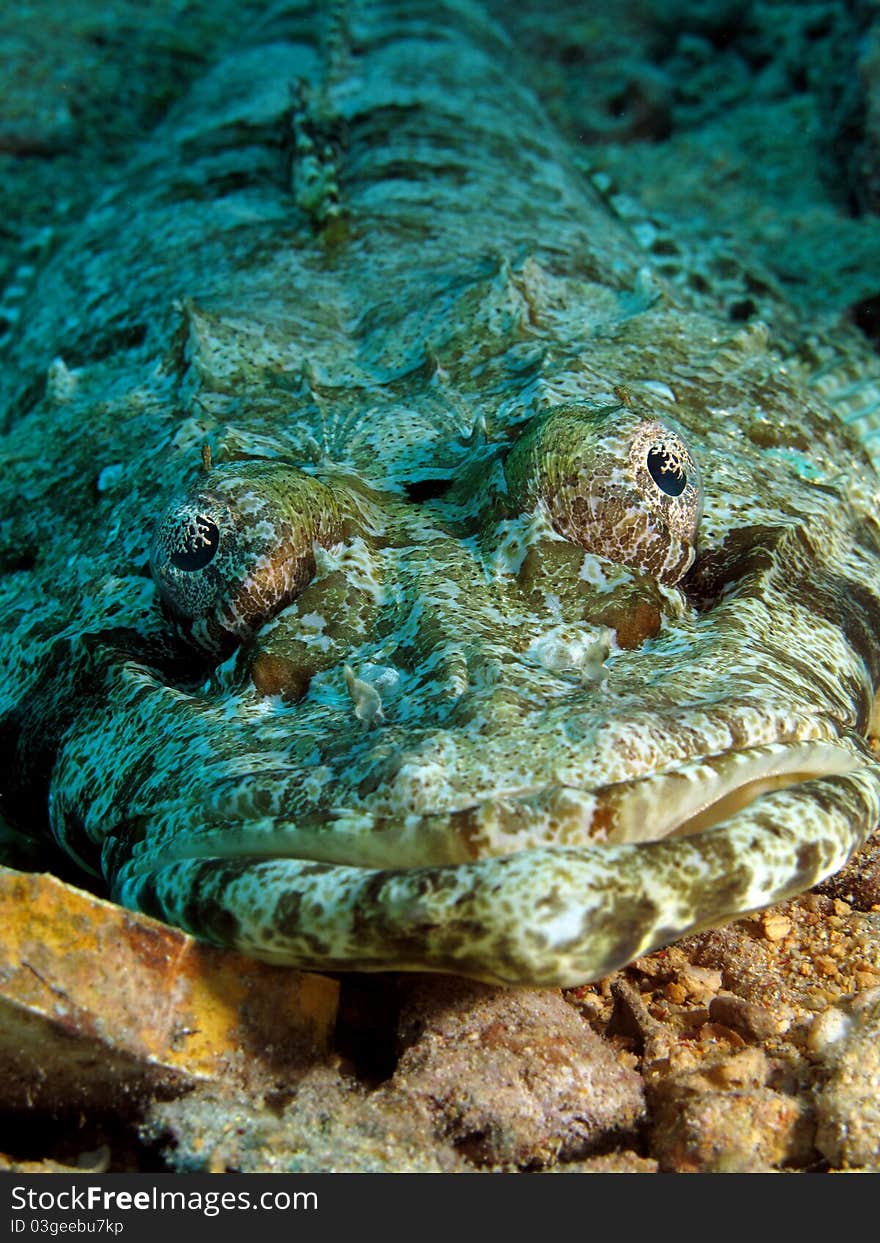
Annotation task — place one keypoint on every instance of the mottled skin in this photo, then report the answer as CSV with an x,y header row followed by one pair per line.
x,y
399,575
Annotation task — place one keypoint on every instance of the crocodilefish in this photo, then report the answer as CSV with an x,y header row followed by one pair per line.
x,y
400,574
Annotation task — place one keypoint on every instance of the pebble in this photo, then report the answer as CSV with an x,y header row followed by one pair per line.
x,y
846,1043
745,1016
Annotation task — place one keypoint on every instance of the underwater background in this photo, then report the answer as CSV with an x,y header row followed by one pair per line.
x,y
739,142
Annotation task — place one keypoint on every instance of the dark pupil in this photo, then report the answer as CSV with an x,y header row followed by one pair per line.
x,y
200,549
668,481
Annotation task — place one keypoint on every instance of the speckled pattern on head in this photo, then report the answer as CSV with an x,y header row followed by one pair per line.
x,y
399,573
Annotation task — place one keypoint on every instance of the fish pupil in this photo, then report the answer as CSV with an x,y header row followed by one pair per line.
x,y
198,546
668,477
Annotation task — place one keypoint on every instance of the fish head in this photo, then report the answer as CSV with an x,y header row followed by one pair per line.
x,y
607,680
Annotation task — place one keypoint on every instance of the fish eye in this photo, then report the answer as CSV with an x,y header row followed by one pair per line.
x,y
239,546
621,485
666,469
668,479
198,539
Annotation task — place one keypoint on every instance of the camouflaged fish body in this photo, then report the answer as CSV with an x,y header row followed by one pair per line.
x,y
399,575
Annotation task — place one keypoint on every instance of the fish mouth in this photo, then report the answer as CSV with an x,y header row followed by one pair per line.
x,y
697,796
708,791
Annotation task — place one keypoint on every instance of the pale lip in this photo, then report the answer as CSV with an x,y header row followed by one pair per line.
x,y
681,802
706,791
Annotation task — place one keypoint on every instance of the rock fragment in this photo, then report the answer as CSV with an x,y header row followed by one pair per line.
x,y
512,1078
330,1125
99,1006
748,1017
846,1042
747,1130
724,1118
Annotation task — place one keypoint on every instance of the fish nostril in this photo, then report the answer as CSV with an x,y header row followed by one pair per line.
x,y
274,674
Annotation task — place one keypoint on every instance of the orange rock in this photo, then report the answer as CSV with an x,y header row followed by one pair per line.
x,y
99,1005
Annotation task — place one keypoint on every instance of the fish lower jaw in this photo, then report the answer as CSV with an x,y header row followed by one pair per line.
x,y
545,915
689,800
710,790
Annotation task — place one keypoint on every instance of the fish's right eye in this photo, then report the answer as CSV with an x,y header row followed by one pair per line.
x,y
239,546
196,544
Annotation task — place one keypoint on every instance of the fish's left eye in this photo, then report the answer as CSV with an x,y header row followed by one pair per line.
x,y
666,469
620,485
668,479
